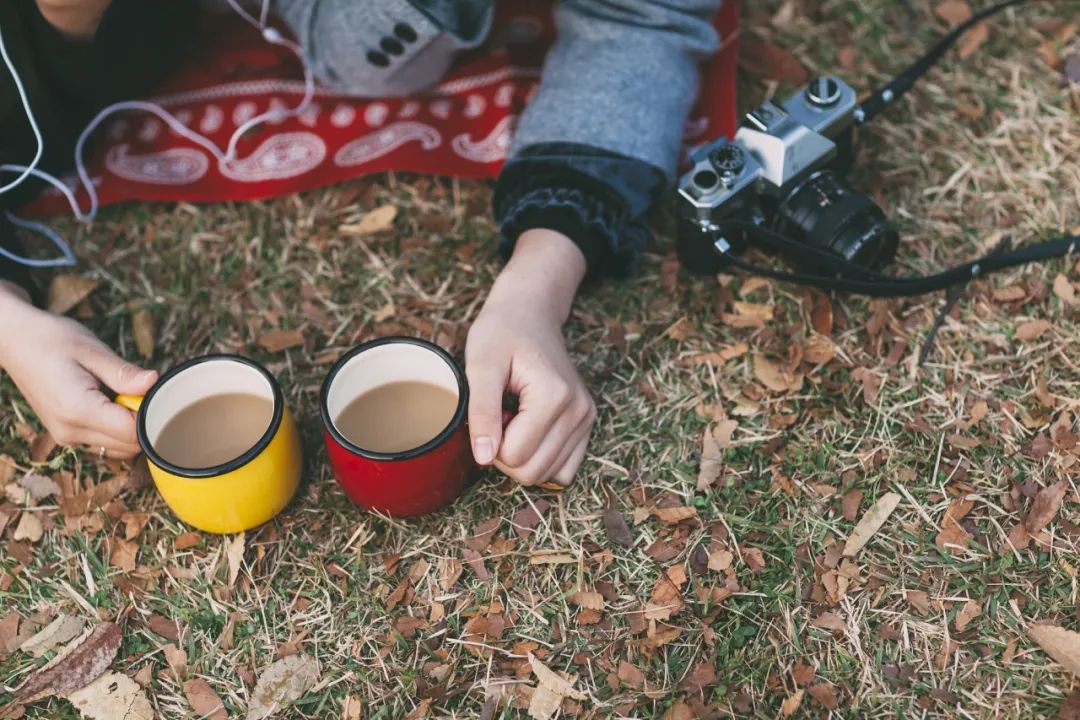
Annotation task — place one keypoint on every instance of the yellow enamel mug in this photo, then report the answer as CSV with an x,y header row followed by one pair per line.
x,y
240,493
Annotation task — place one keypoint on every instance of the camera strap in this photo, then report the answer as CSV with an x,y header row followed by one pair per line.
x,y
854,278
893,90
857,279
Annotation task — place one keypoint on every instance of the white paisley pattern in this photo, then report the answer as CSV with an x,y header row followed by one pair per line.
x,y
243,112
376,144
474,105
179,166
281,156
490,149
343,116
375,114
212,120
150,130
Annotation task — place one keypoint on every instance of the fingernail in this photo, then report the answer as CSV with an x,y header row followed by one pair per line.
x,y
483,450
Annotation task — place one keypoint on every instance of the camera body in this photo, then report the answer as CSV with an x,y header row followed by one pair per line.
x,y
782,172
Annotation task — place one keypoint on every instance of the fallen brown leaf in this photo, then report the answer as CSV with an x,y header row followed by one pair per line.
x,y
701,676
176,658
615,525
825,694
187,540
679,711
953,12
282,683
144,332
483,533
203,700
123,555
29,528
67,291
791,703
476,562
973,40
666,600
870,523
1064,290
971,610
711,460
755,559
551,690
1032,330
829,621
378,220
164,627
1060,644
62,629
38,487
79,665
674,515
113,696
631,675
953,538
9,631
588,600
352,708
1044,508
278,340
776,377
919,600
818,349
850,503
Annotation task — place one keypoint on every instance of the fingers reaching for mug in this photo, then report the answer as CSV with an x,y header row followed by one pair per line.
x,y
58,365
547,438
542,440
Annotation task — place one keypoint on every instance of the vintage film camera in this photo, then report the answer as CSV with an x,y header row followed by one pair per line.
x,y
782,173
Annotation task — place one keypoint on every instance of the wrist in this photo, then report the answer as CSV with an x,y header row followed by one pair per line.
x,y
544,273
11,294
15,303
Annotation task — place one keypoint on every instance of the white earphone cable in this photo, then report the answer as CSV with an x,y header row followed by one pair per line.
x,y
26,171
223,157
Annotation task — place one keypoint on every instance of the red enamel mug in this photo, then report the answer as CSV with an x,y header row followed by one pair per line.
x,y
407,482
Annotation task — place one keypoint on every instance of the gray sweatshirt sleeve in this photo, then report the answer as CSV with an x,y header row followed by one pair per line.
x,y
599,142
622,77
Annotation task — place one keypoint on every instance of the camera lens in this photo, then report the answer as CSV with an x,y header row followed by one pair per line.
x,y
827,215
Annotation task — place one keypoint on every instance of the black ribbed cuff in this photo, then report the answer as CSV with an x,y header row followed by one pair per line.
x,y
597,198
598,226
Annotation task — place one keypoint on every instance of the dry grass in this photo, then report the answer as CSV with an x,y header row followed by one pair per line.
x,y
322,578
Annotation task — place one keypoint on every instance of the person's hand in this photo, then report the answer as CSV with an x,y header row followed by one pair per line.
x,y
57,364
76,18
516,346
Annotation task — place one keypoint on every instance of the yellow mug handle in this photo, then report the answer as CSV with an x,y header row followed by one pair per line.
x,y
131,402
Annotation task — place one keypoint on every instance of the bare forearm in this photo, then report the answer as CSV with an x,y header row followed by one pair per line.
x,y
10,292
545,272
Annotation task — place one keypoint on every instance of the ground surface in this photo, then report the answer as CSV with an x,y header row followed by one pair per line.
x,y
928,620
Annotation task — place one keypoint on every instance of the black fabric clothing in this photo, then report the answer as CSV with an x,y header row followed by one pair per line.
x,y
599,199
68,80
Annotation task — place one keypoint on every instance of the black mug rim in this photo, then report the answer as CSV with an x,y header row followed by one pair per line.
x,y
455,422
226,467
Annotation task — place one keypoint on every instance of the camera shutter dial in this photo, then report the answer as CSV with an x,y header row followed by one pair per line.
x,y
729,160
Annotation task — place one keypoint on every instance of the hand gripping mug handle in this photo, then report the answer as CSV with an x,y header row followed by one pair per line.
x,y
131,402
